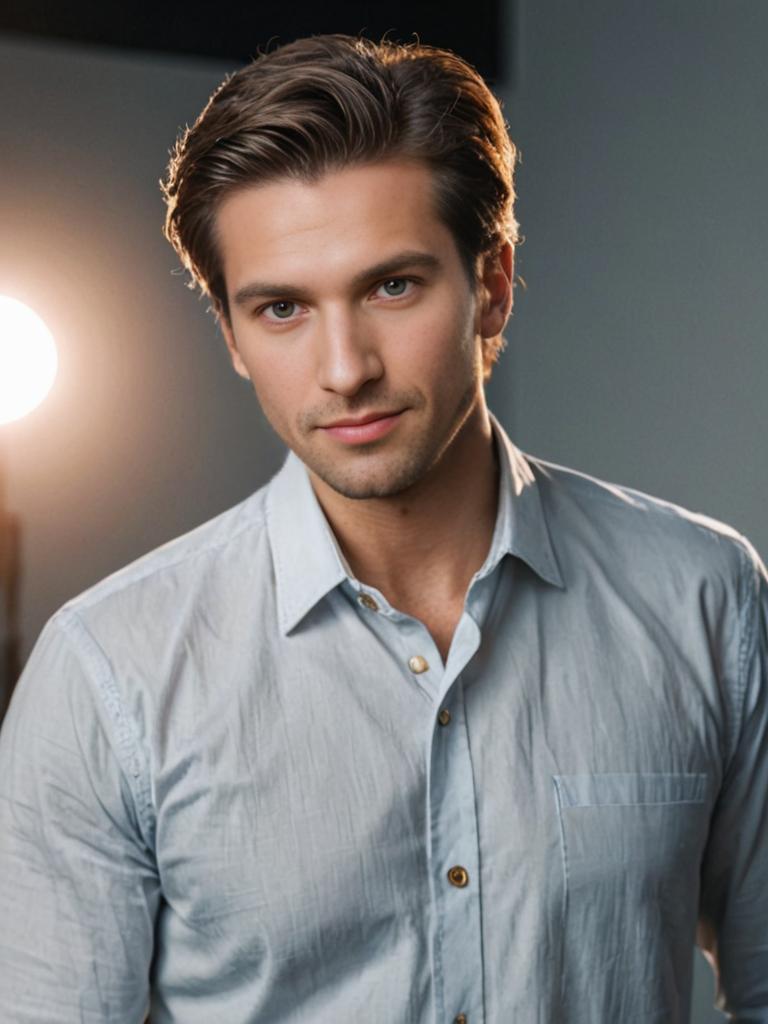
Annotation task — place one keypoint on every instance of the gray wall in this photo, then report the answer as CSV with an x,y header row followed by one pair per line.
x,y
636,353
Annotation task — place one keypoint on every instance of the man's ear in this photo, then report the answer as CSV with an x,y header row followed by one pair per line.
x,y
496,291
234,352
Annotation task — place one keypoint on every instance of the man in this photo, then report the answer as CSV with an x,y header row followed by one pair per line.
x,y
425,730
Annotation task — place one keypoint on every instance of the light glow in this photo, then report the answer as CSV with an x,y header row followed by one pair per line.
x,y
28,359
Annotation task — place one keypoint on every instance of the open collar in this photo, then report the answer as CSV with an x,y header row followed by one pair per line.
x,y
309,564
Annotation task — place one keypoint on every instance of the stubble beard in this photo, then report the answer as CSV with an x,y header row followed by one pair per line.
x,y
378,474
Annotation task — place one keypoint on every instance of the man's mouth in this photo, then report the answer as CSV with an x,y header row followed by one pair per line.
x,y
362,429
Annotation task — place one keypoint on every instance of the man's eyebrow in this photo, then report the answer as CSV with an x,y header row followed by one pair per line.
x,y
391,266
403,260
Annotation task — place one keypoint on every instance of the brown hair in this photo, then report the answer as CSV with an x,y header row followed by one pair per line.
x,y
328,101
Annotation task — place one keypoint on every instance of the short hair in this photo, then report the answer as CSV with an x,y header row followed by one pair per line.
x,y
325,102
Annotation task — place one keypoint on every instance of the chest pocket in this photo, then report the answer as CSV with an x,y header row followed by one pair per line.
x,y
631,845
623,789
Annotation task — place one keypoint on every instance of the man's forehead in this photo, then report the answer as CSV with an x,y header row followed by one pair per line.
x,y
308,204
345,221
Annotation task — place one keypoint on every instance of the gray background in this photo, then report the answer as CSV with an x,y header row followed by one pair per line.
x,y
636,353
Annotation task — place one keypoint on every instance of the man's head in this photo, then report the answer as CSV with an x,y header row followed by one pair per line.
x,y
328,102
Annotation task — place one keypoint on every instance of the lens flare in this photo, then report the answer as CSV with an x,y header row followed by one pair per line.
x,y
28,359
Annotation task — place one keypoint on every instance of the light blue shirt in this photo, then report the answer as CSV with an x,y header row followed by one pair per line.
x,y
236,781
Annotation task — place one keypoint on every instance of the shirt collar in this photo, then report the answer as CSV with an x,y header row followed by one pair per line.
x,y
309,564
521,526
307,560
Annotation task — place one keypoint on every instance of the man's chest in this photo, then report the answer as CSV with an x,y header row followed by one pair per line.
x,y
315,798
320,798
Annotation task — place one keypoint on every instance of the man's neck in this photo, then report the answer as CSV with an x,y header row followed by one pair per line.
x,y
421,548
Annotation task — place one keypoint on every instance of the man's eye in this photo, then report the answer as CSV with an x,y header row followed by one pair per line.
x,y
283,310
396,286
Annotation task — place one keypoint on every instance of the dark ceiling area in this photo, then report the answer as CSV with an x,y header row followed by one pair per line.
x,y
237,31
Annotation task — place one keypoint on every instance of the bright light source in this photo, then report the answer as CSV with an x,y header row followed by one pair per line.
x,y
28,359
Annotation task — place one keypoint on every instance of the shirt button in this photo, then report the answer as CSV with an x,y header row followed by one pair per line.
x,y
458,876
444,717
460,1018
417,664
368,602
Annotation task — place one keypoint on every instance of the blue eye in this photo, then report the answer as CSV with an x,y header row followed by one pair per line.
x,y
395,286
282,310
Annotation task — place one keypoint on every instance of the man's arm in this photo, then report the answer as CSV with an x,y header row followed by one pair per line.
x,y
78,885
734,895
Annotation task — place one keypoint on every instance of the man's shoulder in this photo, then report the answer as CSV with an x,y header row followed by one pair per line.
x,y
632,526
183,566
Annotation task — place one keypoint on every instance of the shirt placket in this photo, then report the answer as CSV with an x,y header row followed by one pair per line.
x,y
452,842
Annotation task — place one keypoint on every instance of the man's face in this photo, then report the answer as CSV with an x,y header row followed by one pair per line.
x,y
353,317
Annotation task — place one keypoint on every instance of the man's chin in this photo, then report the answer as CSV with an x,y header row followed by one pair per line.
x,y
366,490
368,483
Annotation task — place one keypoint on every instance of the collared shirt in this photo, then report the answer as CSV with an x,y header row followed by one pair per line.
x,y
236,778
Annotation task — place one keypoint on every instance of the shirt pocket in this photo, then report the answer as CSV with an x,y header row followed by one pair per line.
x,y
631,845
628,789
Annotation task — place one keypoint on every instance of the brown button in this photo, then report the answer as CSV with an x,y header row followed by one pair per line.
x,y
458,876
417,664
444,717
460,1018
368,602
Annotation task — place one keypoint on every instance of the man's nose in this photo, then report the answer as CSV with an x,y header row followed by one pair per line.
x,y
348,353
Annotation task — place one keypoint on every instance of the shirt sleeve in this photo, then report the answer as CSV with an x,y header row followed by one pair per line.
x,y
78,883
733,929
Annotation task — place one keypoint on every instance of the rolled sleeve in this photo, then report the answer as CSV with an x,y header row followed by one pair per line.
x,y
78,884
734,893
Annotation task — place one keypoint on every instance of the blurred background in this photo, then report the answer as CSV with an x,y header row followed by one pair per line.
x,y
637,350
